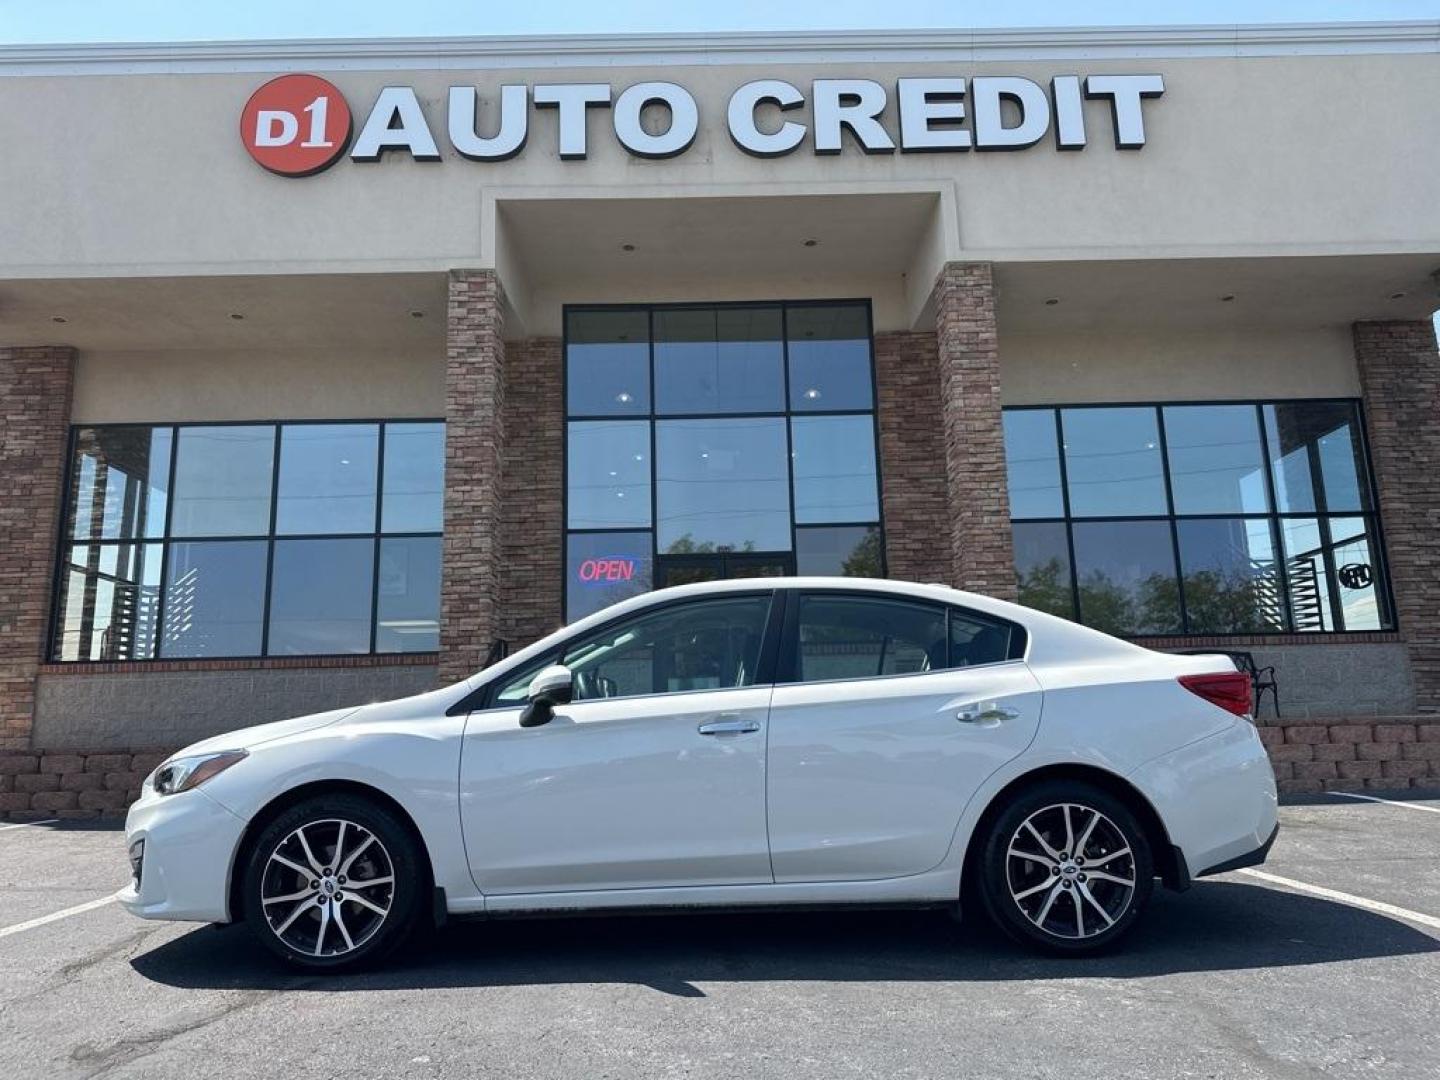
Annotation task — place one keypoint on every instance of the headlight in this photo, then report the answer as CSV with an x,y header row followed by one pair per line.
x,y
184,773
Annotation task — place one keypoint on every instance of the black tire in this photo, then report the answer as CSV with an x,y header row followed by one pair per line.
x,y
272,867
1087,913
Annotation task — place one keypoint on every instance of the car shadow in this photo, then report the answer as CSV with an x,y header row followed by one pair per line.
x,y
1216,926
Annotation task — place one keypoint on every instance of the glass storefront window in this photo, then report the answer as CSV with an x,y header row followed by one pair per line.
x,y
763,428
722,485
1032,460
327,478
604,568
1266,510
1113,462
719,360
199,590
222,480
834,469
607,363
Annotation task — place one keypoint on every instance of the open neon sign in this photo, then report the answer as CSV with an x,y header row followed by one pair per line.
x,y
607,568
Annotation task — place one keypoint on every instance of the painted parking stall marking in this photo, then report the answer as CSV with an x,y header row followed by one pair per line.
x,y
55,916
1387,802
1351,899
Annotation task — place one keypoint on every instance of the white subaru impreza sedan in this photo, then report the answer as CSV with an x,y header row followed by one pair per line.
x,y
759,742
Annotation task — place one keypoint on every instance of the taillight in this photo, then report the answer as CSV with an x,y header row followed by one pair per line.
x,y
1230,690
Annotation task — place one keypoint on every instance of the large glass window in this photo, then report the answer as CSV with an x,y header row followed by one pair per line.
x,y
259,539
1223,518
719,440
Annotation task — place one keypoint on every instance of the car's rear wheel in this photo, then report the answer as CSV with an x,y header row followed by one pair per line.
x,y
333,883
1066,867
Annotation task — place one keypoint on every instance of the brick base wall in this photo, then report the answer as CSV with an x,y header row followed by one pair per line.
x,y
1390,753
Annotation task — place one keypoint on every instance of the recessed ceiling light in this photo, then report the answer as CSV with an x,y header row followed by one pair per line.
x,y
236,315
417,314
1398,295
627,247
1051,301
811,243
58,318
812,394
1227,298
624,397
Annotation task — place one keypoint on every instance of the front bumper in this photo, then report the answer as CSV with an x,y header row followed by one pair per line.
x,y
1216,798
189,847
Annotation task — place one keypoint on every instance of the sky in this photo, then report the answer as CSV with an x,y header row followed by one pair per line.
x,y
55,21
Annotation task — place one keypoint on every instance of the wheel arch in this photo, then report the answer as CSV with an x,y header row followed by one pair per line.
x,y
293,797
1169,863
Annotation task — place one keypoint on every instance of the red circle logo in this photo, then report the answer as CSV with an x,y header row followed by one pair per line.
x,y
296,125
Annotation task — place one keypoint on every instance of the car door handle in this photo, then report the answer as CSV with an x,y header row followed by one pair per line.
x,y
728,727
986,714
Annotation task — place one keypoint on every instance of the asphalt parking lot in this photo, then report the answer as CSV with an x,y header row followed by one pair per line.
x,y
1243,976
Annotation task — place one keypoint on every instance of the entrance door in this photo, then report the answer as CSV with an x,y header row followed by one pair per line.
x,y
691,569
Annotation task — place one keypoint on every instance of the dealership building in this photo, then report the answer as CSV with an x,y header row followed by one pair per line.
x,y
329,370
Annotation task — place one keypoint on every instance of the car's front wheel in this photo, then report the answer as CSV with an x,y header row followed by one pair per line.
x,y
1066,867
333,883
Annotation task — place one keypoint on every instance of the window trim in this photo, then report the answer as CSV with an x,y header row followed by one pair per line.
x,y
63,543
652,416
1373,515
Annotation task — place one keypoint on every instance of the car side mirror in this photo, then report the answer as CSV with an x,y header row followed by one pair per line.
x,y
553,685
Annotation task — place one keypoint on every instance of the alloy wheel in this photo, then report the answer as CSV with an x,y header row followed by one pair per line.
x,y
327,888
1070,871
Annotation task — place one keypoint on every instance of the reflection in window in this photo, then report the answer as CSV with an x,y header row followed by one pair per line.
x,y
722,485
829,348
853,637
120,482
327,478
1042,567
1126,576
222,481
607,363
719,360
843,551
1216,465
834,469
604,568
407,609
1243,477
1231,577
1113,462
609,474
320,597
214,599
109,602
414,486
1032,461
1316,456
183,595
706,645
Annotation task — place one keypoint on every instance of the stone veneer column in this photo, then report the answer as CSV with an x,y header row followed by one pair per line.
x,y
981,552
1399,367
474,471
532,586
912,446
35,389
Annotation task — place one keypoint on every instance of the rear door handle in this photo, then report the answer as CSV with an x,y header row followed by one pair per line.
x,y
986,714
728,727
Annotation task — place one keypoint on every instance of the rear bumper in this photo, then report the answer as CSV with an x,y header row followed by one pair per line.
x,y
190,840
1249,858
1216,798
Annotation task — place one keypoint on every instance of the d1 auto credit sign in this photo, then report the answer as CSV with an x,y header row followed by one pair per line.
x,y
296,125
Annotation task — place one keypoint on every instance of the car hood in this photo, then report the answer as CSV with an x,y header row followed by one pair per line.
x,y
251,737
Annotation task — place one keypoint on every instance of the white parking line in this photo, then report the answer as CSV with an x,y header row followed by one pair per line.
x,y
1387,802
1345,898
54,916
28,824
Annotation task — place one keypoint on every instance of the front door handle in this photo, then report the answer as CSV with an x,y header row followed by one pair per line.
x,y
986,714
728,727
